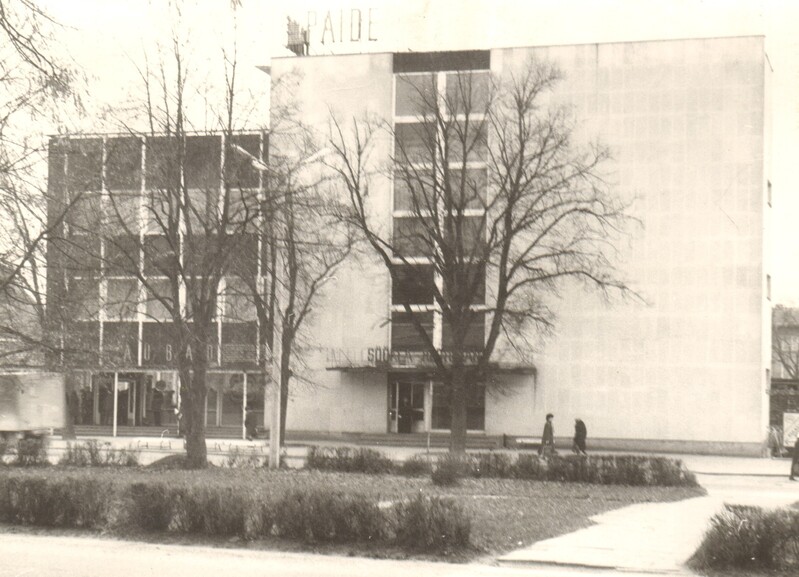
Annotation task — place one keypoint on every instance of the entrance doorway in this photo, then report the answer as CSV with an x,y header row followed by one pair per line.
x,y
406,405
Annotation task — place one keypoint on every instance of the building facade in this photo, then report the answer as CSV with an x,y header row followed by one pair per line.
x,y
131,215
683,367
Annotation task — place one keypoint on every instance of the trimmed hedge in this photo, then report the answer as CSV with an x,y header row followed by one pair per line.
x,y
746,537
152,505
634,470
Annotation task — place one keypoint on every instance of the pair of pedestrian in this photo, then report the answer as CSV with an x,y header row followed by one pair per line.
x,y
548,438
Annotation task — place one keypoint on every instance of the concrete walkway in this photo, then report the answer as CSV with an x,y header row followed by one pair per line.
x,y
660,537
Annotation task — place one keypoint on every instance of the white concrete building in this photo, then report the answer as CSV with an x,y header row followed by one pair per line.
x,y
686,367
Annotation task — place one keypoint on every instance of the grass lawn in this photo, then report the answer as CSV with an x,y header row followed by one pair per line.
x,y
506,514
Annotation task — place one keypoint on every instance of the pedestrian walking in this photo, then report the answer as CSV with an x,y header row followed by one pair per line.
x,y
548,438
795,461
580,434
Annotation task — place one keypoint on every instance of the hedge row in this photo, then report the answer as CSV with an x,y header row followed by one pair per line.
x,y
599,469
745,537
423,523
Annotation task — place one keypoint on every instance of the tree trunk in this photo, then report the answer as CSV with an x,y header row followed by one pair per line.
x,y
458,393
285,376
193,409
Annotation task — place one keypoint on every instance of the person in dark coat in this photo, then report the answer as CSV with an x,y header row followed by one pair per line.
x,y
580,434
548,438
250,426
795,461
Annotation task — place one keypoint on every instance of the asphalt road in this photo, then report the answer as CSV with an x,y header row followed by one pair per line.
x,y
26,555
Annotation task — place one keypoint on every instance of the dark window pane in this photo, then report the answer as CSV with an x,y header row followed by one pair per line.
x,y
122,255
469,188
160,257
467,92
412,237
202,208
413,189
159,299
239,342
85,165
414,143
80,254
123,164
241,170
85,213
405,336
121,344
413,284
82,344
475,408
471,136
464,235
474,337
123,212
200,254
470,285
83,298
203,158
244,257
416,94
163,163
122,298
239,305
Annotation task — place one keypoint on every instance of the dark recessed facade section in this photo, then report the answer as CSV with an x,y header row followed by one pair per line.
x,y
438,61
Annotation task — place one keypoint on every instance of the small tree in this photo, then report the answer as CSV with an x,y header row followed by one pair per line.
x,y
502,206
785,340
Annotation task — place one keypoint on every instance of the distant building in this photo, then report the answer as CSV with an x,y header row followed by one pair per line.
x,y
109,265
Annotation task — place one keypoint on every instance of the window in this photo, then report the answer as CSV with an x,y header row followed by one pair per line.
x,y
467,92
412,237
159,299
160,256
472,284
203,158
414,284
241,172
163,163
464,234
123,164
83,298
238,300
471,137
469,188
475,408
82,344
414,143
85,165
121,343
122,297
474,335
202,208
122,255
404,335
416,94
123,212
239,342
85,212
413,189
80,254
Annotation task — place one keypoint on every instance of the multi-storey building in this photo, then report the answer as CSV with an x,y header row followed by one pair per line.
x,y
684,367
123,233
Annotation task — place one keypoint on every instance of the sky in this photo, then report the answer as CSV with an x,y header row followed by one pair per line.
x,y
110,38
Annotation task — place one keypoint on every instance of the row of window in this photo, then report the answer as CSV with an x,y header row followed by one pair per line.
x,y
419,94
123,299
87,256
78,166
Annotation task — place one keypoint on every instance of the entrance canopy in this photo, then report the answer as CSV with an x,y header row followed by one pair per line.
x,y
385,360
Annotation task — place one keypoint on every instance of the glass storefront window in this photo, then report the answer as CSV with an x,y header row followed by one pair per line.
x,y
475,408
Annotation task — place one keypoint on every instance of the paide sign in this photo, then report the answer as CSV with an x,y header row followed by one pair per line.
x,y
331,27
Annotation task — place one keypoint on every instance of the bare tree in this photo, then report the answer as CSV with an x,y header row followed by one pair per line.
x,y
496,207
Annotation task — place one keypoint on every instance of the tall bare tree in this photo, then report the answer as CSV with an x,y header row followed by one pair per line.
x,y
500,207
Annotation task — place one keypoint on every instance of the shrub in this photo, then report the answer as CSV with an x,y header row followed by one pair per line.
x,y
348,459
529,467
61,502
449,470
32,452
236,459
93,454
211,510
491,465
750,538
148,506
323,516
432,524
416,466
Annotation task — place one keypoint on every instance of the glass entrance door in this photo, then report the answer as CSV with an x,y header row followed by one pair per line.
x,y
406,405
